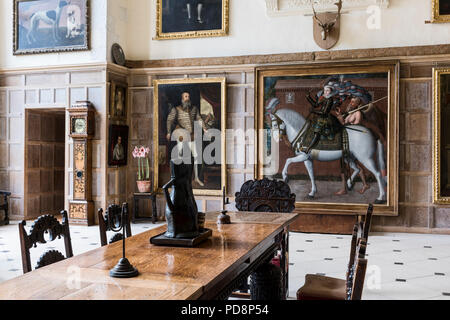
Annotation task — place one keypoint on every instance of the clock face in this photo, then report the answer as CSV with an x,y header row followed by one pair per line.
x,y
79,125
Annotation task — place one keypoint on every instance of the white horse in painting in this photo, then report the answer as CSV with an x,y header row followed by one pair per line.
x,y
362,146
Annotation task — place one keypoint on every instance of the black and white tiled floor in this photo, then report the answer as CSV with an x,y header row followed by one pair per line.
x,y
401,266
83,239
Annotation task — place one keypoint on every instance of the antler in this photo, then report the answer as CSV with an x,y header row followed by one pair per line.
x,y
315,14
339,5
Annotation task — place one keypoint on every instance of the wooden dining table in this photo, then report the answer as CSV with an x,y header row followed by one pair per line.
x,y
212,270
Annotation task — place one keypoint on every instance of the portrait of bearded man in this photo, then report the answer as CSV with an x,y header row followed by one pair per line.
x,y
183,117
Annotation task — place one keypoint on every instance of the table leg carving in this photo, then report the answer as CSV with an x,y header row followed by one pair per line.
x,y
267,283
154,210
230,286
136,209
284,261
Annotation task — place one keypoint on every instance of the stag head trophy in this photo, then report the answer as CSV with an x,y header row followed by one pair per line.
x,y
326,27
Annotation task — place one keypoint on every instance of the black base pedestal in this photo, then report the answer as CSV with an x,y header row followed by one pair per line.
x,y
162,240
124,269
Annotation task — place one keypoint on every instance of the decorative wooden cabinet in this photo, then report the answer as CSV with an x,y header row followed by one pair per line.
x,y
82,130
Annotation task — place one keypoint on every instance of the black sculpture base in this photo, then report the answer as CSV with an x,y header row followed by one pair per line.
x,y
124,269
162,240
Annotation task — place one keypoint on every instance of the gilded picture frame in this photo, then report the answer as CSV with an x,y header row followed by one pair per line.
x,y
208,95
118,100
184,19
285,88
47,26
441,136
440,11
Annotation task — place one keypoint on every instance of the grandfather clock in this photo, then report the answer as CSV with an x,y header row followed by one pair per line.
x,y
82,130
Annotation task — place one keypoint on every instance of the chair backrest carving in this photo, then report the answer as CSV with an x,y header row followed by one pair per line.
x,y
112,218
46,224
365,223
357,272
265,196
357,263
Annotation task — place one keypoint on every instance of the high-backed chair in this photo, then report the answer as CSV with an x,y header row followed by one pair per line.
x,y
113,218
264,195
365,223
319,287
5,207
46,224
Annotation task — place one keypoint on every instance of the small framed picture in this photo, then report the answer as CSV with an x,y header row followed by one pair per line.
x,y
191,19
118,145
118,100
42,26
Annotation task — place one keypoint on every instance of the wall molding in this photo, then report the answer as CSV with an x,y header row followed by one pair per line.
x,y
275,8
430,53
437,54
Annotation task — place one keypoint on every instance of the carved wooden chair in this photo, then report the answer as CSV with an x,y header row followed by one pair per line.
x,y
113,218
319,287
46,224
264,196
5,207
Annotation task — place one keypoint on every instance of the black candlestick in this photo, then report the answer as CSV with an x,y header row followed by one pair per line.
x,y
123,269
224,218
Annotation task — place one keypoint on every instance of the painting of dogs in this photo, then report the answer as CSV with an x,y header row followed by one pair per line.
x,y
50,26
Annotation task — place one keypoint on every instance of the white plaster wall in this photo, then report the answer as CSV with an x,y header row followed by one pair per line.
x,y
253,32
131,23
140,29
117,25
97,53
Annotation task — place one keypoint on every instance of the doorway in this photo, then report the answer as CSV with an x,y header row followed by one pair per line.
x,y
45,138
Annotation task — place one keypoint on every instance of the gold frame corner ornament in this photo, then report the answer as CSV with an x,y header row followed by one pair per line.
x,y
437,197
223,86
435,16
160,35
392,67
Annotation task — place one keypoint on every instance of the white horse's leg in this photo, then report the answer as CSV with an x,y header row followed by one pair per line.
x,y
370,165
299,158
309,166
355,173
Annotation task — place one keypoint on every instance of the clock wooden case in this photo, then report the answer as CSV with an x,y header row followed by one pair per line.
x,y
82,130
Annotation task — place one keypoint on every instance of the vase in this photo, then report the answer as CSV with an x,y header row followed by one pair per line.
x,y
144,186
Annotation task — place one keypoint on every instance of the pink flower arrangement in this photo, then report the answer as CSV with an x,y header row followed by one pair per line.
x,y
143,165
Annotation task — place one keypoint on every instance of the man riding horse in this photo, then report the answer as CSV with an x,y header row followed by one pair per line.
x,y
325,125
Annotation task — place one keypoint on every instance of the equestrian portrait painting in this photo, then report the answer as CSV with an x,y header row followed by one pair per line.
x,y
191,18
189,126
42,26
331,133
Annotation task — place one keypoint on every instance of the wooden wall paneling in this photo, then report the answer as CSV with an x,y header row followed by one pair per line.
x,y
45,88
416,100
